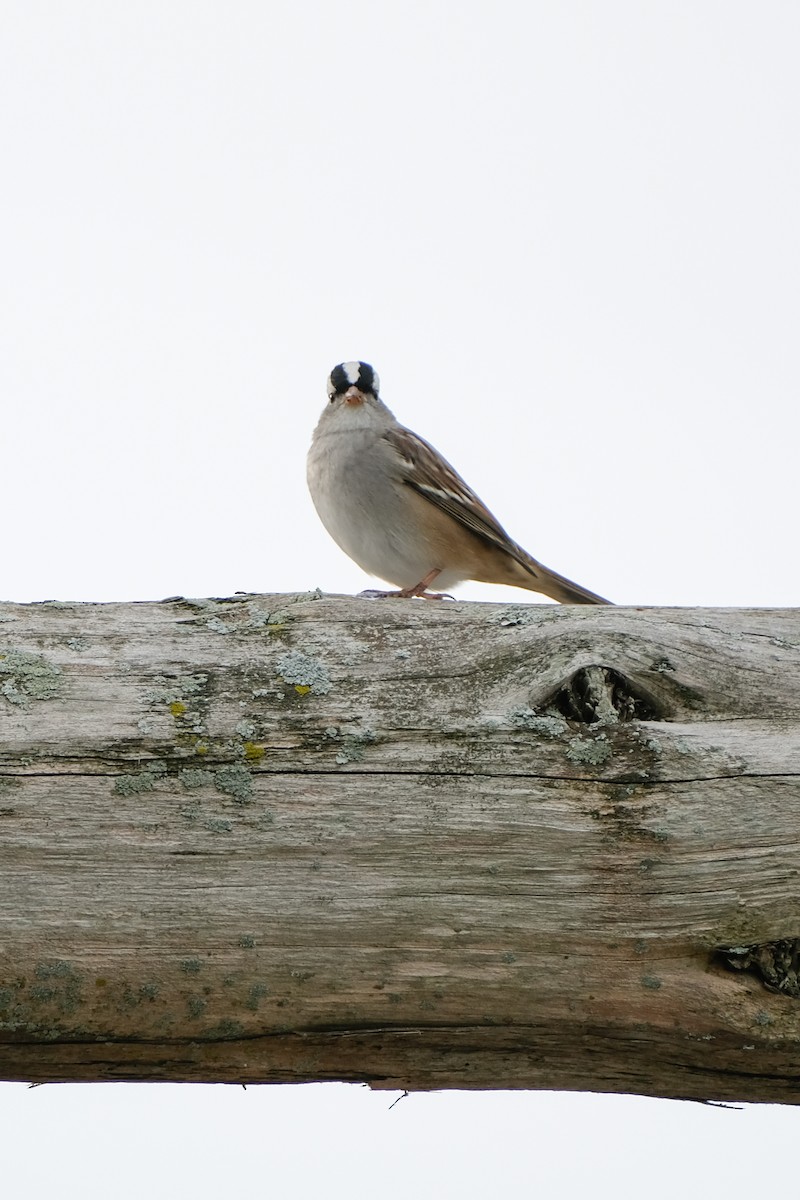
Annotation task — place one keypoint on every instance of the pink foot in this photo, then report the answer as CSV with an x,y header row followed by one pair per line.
x,y
419,589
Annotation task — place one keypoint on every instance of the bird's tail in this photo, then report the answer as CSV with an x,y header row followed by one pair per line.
x,y
549,583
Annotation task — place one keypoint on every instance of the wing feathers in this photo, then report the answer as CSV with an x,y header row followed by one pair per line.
x,y
431,476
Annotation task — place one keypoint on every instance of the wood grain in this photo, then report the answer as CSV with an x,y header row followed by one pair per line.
x,y
289,838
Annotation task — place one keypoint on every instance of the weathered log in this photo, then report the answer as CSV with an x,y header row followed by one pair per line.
x,y
422,845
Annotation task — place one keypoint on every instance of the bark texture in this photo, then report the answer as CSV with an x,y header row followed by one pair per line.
x,y
291,838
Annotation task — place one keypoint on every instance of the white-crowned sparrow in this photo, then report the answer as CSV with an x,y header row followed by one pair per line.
x,y
399,510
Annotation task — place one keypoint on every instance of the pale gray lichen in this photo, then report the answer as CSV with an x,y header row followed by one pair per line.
x,y
593,751
304,671
58,968
218,825
278,618
245,729
516,615
62,987
216,625
234,781
174,691
353,746
255,995
134,785
526,718
25,676
226,1030
193,777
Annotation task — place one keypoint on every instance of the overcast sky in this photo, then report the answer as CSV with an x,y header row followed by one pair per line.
x,y
566,235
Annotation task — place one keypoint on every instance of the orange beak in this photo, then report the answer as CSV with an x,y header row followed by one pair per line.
x,y
353,396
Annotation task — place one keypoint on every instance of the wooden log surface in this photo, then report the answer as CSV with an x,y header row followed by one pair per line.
x,y
422,845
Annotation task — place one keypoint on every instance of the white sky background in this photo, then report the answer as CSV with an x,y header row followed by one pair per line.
x,y
566,235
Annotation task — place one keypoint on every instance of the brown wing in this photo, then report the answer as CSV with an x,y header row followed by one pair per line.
x,y
430,475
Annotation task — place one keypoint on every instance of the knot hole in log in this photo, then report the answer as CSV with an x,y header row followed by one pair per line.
x,y
777,964
602,695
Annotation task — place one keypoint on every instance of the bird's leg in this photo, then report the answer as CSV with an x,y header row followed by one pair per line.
x,y
419,589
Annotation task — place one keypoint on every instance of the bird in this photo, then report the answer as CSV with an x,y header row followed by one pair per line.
x,y
401,512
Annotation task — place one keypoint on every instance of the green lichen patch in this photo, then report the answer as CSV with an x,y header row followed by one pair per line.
x,y
25,677
253,752
304,671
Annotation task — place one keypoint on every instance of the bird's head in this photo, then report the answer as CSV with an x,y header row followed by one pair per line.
x,y
351,383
